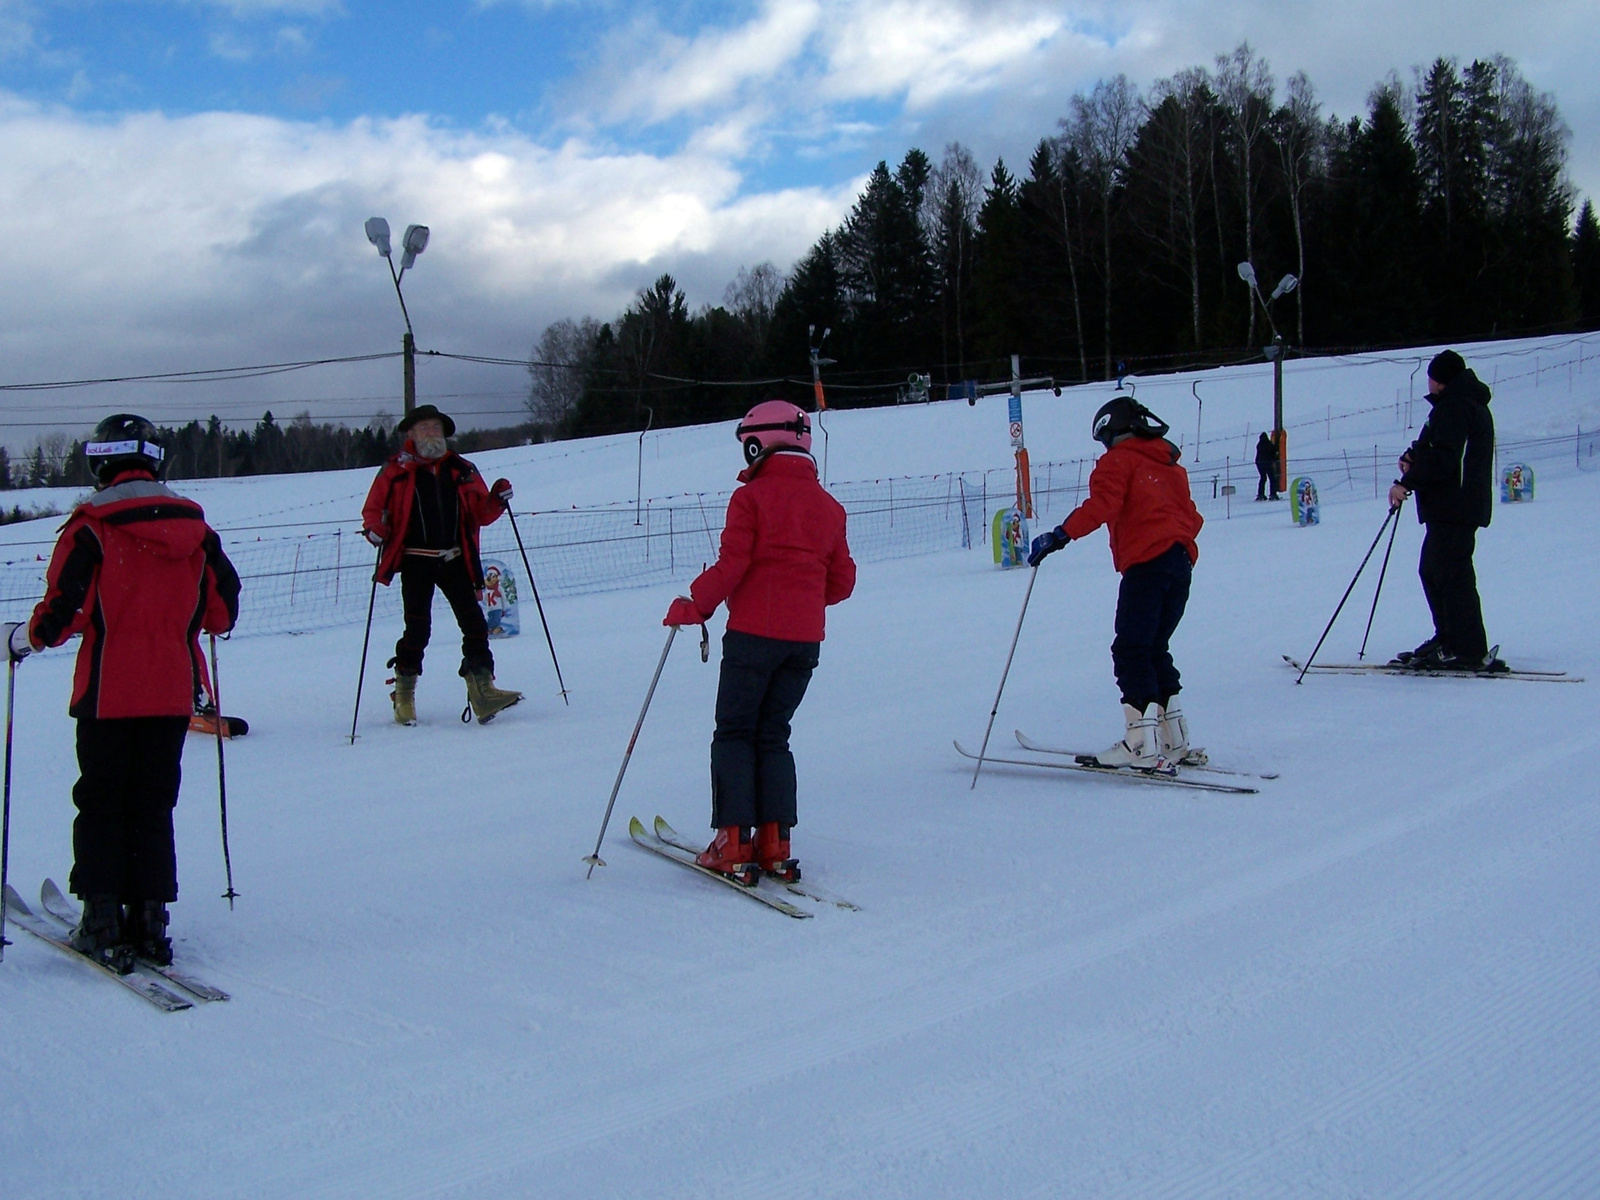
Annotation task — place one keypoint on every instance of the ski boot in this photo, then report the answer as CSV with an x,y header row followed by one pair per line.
x,y
1140,747
772,853
100,935
487,700
147,931
405,698
1415,658
731,854
1175,746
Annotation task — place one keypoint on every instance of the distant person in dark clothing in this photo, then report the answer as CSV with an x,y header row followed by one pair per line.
x,y
1266,467
1450,470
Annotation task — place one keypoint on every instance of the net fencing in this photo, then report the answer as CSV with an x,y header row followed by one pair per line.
x,y
310,576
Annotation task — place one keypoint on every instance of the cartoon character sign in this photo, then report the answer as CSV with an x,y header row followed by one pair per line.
x,y
1010,538
499,599
1303,507
1516,484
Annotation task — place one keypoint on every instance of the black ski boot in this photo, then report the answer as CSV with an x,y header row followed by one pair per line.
x,y
100,934
1414,658
147,931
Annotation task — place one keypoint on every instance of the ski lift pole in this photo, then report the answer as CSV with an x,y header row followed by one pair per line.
x,y
534,587
5,817
1033,578
594,860
1393,513
222,775
1378,591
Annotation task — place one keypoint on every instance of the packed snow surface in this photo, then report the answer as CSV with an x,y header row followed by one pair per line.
x,y
1378,976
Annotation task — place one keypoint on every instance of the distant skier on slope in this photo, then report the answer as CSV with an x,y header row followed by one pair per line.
x,y
1266,467
784,559
1139,491
1450,468
138,572
424,512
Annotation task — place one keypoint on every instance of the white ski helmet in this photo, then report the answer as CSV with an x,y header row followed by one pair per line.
x,y
774,425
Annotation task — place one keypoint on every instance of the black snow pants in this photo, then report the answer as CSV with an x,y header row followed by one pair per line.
x,y
763,681
1267,476
1150,604
129,772
419,575
1451,586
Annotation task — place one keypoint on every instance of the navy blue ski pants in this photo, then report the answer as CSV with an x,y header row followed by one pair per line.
x,y
1150,604
763,681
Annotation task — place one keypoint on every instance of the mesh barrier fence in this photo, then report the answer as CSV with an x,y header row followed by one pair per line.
x,y
312,576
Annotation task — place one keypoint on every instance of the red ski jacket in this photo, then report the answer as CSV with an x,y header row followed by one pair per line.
x,y
388,507
139,573
1139,491
784,557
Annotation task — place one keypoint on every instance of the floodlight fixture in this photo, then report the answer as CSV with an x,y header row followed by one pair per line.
x,y
414,243
378,234
1285,285
1247,273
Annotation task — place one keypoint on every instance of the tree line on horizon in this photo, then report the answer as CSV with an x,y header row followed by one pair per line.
x,y
1443,214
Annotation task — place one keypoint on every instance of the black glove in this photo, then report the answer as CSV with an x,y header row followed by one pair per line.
x,y
1045,545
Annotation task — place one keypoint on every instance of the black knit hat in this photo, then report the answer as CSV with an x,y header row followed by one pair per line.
x,y
1447,367
428,410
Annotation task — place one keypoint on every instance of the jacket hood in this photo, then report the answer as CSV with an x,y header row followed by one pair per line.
x,y
1156,449
162,522
1466,386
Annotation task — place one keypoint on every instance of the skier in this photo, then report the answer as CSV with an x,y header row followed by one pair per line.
x,y
1139,491
1450,469
138,572
424,512
783,560
1266,467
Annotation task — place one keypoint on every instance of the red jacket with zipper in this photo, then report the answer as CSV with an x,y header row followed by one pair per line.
x,y
1139,491
784,557
388,507
139,573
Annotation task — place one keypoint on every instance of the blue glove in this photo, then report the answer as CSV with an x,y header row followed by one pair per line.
x,y
1045,545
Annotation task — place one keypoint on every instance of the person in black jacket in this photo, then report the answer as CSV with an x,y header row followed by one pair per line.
x,y
1450,470
1266,467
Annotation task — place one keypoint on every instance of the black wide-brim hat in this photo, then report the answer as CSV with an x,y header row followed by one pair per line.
x,y
422,414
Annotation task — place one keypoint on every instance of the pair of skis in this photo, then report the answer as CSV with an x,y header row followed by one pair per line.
x,y
1054,756
669,843
59,917
1393,668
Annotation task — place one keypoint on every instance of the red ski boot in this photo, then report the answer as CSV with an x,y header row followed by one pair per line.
x,y
772,853
731,854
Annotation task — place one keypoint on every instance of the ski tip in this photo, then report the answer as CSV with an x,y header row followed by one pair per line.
x,y
636,827
15,903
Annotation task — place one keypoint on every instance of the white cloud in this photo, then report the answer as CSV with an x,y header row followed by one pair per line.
x,y
259,8
152,242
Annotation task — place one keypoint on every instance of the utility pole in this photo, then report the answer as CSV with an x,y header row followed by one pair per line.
x,y
412,244
817,363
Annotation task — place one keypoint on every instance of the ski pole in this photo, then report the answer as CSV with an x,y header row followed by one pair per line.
x,y
222,775
594,860
1378,591
5,820
535,587
1032,578
361,676
1392,513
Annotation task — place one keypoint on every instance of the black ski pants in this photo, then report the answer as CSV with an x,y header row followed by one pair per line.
x,y
763,681
129,772
1451,586
1150,604
1267,477
419,576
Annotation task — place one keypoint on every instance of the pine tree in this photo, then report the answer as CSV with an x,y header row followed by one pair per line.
x,y
1585,267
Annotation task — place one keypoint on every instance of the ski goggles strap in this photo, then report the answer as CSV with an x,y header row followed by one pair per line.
x,y
113,449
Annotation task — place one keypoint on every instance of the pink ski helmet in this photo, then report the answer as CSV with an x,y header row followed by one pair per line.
x,y
774,425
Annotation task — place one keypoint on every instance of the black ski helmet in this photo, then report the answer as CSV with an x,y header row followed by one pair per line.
x,y
122,442
1125,415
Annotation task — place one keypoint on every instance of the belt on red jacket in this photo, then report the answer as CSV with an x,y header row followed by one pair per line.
x,y
441,555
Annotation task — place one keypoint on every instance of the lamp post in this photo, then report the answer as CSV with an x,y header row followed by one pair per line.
x,y
412,244
1274,354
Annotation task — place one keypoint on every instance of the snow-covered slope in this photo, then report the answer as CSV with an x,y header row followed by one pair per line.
x,y
1376,977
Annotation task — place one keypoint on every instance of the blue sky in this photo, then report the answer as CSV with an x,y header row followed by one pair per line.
x,y
184,181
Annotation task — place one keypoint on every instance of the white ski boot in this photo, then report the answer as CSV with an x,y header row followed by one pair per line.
x,y
1175,746
1140,747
